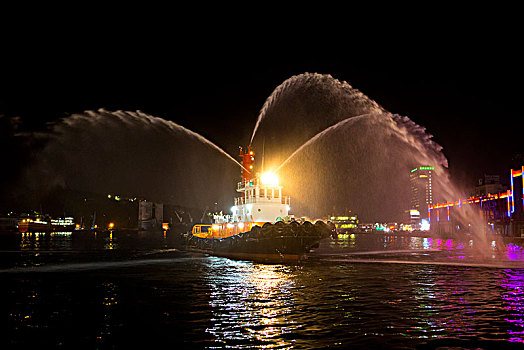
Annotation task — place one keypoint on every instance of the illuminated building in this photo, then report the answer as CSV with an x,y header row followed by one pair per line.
x,y
503,211
345,223
421,191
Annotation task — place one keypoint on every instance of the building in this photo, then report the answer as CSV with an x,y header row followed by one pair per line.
x,y
345,223
421,192
503,212
150,215
488,184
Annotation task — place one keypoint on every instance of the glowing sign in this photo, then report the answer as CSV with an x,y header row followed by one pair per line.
x,y
423,168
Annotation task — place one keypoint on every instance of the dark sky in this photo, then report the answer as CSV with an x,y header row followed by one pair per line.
x,y
466,93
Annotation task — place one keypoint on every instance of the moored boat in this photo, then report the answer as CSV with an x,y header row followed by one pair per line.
x,y
41,224
259,226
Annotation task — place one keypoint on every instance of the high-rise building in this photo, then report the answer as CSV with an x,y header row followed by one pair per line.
x,y
421,190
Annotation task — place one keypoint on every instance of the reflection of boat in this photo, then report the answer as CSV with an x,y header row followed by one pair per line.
x,y
42,224
259,227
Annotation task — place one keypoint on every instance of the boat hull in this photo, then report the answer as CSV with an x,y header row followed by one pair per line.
x,y
37,227
271,243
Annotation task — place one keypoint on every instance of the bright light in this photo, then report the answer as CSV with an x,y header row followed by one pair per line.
x,y
215,227
269,179
424,225
111,225
240,225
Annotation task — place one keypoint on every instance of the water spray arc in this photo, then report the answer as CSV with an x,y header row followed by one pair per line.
x,y
320,135
337,88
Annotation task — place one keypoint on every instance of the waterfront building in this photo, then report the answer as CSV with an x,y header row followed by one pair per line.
x,y
421,192
150,215
345,223
503,211
489,184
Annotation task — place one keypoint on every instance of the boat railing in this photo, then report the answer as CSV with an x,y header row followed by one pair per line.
x,y
252,200
246,183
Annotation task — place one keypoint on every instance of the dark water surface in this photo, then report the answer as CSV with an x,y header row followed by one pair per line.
x,y
131,290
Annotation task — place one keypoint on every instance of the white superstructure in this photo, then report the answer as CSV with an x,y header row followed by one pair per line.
x,y
261,200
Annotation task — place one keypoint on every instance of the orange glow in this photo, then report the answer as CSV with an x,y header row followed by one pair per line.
x,y
269,179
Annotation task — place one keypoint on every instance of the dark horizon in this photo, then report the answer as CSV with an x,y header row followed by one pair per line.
x,y
469,102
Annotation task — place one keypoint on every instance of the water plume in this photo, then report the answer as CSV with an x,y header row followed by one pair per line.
x,y
319,135
338,150
330,143
138,155
328,94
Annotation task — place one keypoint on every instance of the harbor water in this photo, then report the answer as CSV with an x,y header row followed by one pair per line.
x,y
136,290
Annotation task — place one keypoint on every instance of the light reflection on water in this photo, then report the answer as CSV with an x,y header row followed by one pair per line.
x,y
251,303
494,250
513,297
357,291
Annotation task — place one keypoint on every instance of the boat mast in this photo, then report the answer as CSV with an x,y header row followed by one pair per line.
x,y
248,160
247,172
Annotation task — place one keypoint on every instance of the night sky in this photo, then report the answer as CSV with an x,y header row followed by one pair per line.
x,y
467,94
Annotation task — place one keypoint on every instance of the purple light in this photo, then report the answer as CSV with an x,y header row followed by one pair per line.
x,y
513,298
515,252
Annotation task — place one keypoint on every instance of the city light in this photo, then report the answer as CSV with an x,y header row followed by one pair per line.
x,y
489,202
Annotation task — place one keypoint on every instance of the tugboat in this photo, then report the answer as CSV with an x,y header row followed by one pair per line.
x,y
259,227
